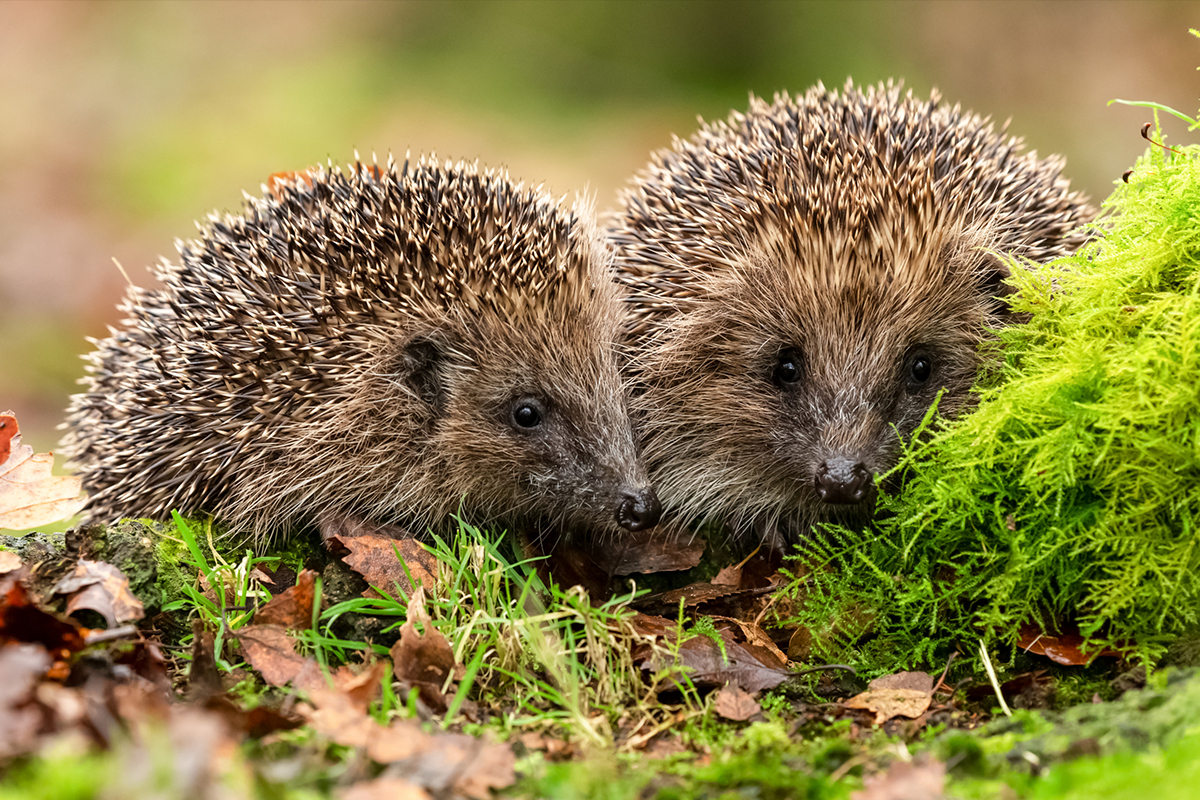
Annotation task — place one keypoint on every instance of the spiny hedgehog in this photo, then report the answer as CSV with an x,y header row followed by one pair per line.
x,y
383,345
806,278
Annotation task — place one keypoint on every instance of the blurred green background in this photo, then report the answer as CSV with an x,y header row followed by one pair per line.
x,y
122,122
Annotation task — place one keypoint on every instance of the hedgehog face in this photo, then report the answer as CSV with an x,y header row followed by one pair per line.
x,y
788,397
536,412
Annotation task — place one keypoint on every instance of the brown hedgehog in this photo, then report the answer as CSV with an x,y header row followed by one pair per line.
x,y
383,345
807,277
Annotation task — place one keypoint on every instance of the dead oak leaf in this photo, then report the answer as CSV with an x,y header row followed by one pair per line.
x,y
757,638
707,667
889,703
425,662
292,608
902,694
918,681
103,588
271,652
1064,648
374,557
735,704
30,495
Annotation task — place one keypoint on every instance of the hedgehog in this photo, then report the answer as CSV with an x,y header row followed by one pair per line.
x,y
806,279
385,345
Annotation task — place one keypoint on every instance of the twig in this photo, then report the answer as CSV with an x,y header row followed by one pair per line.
x,y
941,681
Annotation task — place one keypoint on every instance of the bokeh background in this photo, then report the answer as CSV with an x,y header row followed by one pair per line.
x,y
122,122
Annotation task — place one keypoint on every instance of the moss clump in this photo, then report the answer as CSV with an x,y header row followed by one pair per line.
x,y
1072,493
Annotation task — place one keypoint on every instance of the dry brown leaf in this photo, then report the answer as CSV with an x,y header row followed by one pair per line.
x,y
401,739
30,495
271,652
426,662
291,608
374,557
383,788
441,763
732,703
917,681
8,430
729,576
100,587
9,561
758,638
204,677
1064,648
22,621
21,722
889,703
649,551
708,668
905,780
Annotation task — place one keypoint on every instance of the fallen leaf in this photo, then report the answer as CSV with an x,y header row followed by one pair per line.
x,y
204,677
22,621
648,552
30,495
9,561
458,763
384,788
706,667
401,739
271,652
292,608
8,430
21,665
374,556
729,576
905,780
1064,648
756,637
917,681
692,595
555,747
444,763
424,661
889,703
21,721
102,588
732,703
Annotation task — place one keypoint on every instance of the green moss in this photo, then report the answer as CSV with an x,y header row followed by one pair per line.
x,y
1072,493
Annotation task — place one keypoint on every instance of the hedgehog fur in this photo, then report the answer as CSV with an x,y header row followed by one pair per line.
x,y
806,277
388,344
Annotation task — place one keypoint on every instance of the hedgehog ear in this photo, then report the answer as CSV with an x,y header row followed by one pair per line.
x,y
993,274
421,365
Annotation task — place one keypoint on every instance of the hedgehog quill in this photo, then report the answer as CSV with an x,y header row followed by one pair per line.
x,y
806,278
386,345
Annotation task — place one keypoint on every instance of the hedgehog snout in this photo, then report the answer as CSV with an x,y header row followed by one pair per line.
x,y
637,511
842,481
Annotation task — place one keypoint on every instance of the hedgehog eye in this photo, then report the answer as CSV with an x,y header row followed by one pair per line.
x,y
527,413
920,369
787,370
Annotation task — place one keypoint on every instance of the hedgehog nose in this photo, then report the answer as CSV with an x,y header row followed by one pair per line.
x,y
639,510
841,481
